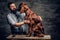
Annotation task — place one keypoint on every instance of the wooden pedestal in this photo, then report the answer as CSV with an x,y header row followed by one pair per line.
x,y
23,37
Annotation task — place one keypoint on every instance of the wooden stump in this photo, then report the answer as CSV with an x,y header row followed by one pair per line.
x,y
23,37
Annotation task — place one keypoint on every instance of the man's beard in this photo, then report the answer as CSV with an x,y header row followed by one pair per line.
x,y
14,11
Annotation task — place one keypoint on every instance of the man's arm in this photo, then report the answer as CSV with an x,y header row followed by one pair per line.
x,y
20,23
14,21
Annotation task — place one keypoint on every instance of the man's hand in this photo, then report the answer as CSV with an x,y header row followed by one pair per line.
x,y
26,21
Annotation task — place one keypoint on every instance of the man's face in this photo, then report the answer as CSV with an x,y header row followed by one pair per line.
x,y
12,6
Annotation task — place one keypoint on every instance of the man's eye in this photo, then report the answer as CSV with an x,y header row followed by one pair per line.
x,y
12,6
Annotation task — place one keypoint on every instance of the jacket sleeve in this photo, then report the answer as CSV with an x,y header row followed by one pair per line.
x,y
11,19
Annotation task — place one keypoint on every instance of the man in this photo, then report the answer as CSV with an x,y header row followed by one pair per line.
x,y
13,20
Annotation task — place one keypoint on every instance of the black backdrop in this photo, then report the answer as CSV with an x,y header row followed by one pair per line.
x,y
48,9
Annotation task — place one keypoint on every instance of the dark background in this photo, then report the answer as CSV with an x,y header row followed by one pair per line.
x,y
49,10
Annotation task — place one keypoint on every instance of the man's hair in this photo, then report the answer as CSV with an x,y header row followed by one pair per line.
x,y
10,4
